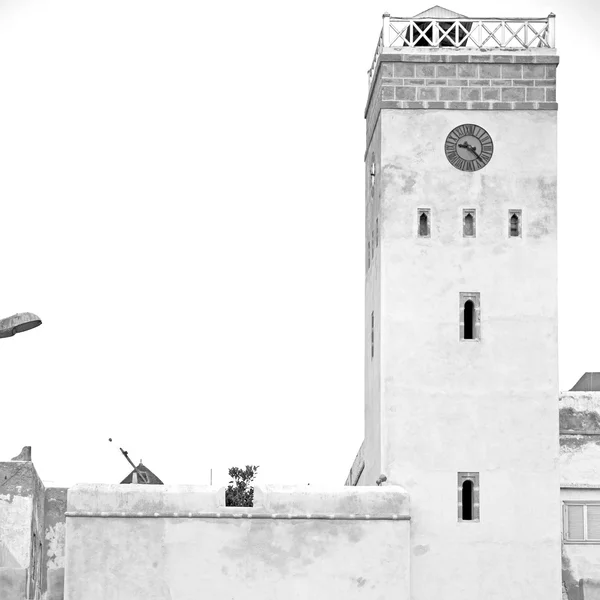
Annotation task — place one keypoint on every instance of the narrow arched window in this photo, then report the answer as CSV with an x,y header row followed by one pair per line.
x,y
514,223
467,500
469,319
468,496
423,223
469,223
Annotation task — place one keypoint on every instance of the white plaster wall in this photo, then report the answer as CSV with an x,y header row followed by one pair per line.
x,y
15,530
223,558
487,406
372,442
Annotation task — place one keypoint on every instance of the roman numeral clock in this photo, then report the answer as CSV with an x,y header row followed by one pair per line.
x,y
469,147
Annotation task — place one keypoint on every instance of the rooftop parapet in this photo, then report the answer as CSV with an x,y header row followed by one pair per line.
x,y
441,28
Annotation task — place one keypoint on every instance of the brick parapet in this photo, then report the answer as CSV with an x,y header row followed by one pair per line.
x,y
462,81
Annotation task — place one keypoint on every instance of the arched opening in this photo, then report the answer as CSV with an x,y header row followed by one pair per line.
x,y
423,225
514,225
467,500
469,319
469,225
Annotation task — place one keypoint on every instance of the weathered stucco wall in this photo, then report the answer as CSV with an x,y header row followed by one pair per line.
x,y
21,531
372,442
487,406
294,543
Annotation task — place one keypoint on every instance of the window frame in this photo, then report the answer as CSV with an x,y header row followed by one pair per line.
x,y
565,524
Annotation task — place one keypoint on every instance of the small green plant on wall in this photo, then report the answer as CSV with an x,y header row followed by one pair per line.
x,y
240,491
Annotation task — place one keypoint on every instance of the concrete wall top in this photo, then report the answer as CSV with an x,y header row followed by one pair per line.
x,y
153,500
579,402
98,497
363,500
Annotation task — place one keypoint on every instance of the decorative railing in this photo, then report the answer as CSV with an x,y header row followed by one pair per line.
x,y
462,32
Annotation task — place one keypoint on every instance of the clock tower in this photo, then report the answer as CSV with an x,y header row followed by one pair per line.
x,y
461,378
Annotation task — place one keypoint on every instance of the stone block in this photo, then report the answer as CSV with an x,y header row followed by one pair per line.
x,y
534,71
436,105
470,94
406,93
513,94
502,105
458,82
481,105
501,82
387,70
446,71
468,70
457,105
450,93
387,93
545,82
551,72
548,105
425,71
490,71
479,82
512,71
524,105
427,93
436,82
535,94
414,82
550,94
491,94
404,70
527,82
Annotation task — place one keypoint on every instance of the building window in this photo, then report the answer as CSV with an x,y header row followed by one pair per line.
x,y
469,222
514,223
423,222
469,316
468,497
581,522
372,335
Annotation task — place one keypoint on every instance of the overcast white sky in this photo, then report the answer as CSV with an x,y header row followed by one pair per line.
x,y
182,204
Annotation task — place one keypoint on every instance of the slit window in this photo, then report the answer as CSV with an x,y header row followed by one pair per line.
x,y
372,334
372,175
424,222
469,222
514,223
377,232
468,496
469,316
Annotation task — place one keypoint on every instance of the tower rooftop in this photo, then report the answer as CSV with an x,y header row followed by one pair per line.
x,y
440,28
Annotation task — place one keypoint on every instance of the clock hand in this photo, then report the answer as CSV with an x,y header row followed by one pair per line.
x,y
470,148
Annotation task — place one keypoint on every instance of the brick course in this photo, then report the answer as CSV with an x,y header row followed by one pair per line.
x,y
483,83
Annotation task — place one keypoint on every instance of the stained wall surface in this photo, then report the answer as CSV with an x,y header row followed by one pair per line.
x,y
263,555
55,508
